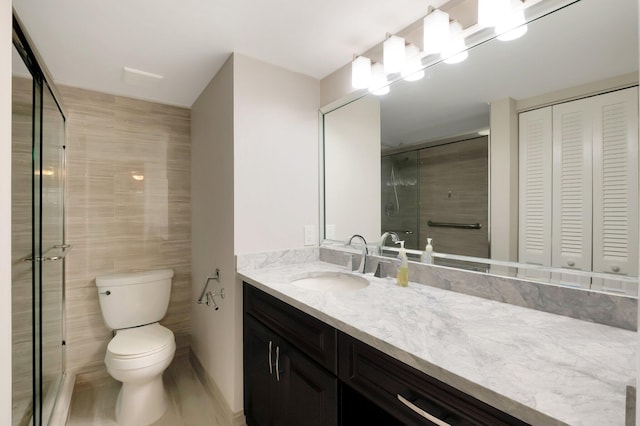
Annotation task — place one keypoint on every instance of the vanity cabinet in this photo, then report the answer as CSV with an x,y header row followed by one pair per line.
x,y
408,394
301,371
289,365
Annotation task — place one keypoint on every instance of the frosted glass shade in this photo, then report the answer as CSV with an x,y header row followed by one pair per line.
x,y
394,55
436,32
413,67
361,72
456,50
379,83
492,12
512,27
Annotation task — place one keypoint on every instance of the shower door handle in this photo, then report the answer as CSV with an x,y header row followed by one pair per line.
x,y
64,247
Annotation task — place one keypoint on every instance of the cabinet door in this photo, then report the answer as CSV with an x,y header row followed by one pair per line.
x,y
310,393
535,128
572,185
261,400
615,184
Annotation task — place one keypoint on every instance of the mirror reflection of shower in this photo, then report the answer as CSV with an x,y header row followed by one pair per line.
x,y
400,196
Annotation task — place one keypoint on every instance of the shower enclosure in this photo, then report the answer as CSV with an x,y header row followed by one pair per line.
x,y
37,238
439,192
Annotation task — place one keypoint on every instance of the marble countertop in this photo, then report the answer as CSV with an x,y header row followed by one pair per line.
x,y
542,368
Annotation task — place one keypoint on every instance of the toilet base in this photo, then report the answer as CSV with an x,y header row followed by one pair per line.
x,y
141,403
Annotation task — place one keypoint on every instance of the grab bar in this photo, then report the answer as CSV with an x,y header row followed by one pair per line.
x,y
216,277
406,232
454,225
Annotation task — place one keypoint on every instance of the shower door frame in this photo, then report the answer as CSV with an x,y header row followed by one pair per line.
x,y
43,82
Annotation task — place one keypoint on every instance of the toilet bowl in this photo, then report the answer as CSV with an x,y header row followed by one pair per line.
x,y
132,304
137,357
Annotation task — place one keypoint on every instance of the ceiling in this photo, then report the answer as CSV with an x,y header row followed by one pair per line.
x,y
588,41
87,43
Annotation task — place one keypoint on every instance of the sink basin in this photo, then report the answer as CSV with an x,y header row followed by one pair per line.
x,y
330,281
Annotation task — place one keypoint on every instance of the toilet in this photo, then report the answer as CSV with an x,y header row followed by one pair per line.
x,y
141,349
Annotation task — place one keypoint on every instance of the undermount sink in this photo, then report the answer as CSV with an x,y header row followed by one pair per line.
x,y
330,281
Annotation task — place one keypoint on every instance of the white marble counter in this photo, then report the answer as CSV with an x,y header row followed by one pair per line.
x,y
543,368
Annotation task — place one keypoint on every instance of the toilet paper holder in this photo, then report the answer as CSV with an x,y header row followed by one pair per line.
x,y
207,297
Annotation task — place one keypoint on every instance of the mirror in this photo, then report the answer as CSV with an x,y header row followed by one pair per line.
x,y
397,162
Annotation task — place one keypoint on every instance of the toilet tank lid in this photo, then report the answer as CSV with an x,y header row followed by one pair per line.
x,y
133,277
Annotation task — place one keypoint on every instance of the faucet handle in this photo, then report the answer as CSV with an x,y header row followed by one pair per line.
x,y
350,263
381,269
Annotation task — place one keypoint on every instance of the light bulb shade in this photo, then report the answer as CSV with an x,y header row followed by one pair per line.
x,y
361,72
436,32
379,84
491,12
512,26
413,68
394,55
456,50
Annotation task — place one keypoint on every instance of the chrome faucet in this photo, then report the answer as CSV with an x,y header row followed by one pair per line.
x,y
365,251
394,238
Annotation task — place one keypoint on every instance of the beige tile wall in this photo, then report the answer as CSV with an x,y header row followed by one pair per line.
x,y
117,223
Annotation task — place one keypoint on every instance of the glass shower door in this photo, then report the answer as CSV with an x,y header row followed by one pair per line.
x,y
53,250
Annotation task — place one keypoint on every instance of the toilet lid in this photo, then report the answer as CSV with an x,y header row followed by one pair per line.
x,y
143,340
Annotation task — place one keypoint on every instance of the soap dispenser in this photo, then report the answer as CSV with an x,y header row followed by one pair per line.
x,y
428,252
403,269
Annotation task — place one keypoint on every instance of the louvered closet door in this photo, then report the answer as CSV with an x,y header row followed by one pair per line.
x,y
535,132
615,188
572,185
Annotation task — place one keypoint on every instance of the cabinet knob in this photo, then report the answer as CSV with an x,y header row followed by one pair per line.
x,y
571,263
615,268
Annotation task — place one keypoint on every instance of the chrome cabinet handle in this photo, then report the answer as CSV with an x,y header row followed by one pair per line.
x,y
277,363
571,263
270,364
423,413
615,268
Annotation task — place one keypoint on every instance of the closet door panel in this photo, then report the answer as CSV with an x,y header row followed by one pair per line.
x,y
535,134
572,185
615,183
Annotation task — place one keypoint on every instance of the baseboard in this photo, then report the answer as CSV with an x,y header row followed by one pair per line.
x,y
227,417
63,402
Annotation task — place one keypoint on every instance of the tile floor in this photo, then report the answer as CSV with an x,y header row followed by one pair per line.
x,y
189,402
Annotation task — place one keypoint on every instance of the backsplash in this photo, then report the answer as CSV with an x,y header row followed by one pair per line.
x,y
129,209
608,309
272,259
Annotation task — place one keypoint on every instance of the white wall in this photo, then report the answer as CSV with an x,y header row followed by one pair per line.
x,y
254,174
5,211
214,333
276,156
503,186
352,177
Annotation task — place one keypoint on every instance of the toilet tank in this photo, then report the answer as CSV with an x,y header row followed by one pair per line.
x,y
133,299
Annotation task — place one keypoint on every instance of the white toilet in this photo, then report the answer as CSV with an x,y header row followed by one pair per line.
x,y
132,304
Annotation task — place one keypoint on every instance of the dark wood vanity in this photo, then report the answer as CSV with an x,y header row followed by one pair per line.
x,y
300,371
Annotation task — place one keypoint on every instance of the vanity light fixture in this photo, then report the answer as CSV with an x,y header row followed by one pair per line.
x,y
456,50
513,26
379,83
393,53
436,32
492,12
361,72
413,70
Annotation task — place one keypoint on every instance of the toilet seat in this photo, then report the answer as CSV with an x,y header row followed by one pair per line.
x,y
139,347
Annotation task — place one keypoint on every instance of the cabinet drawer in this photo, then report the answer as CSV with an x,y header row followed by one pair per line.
x,y
385,380
311,336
